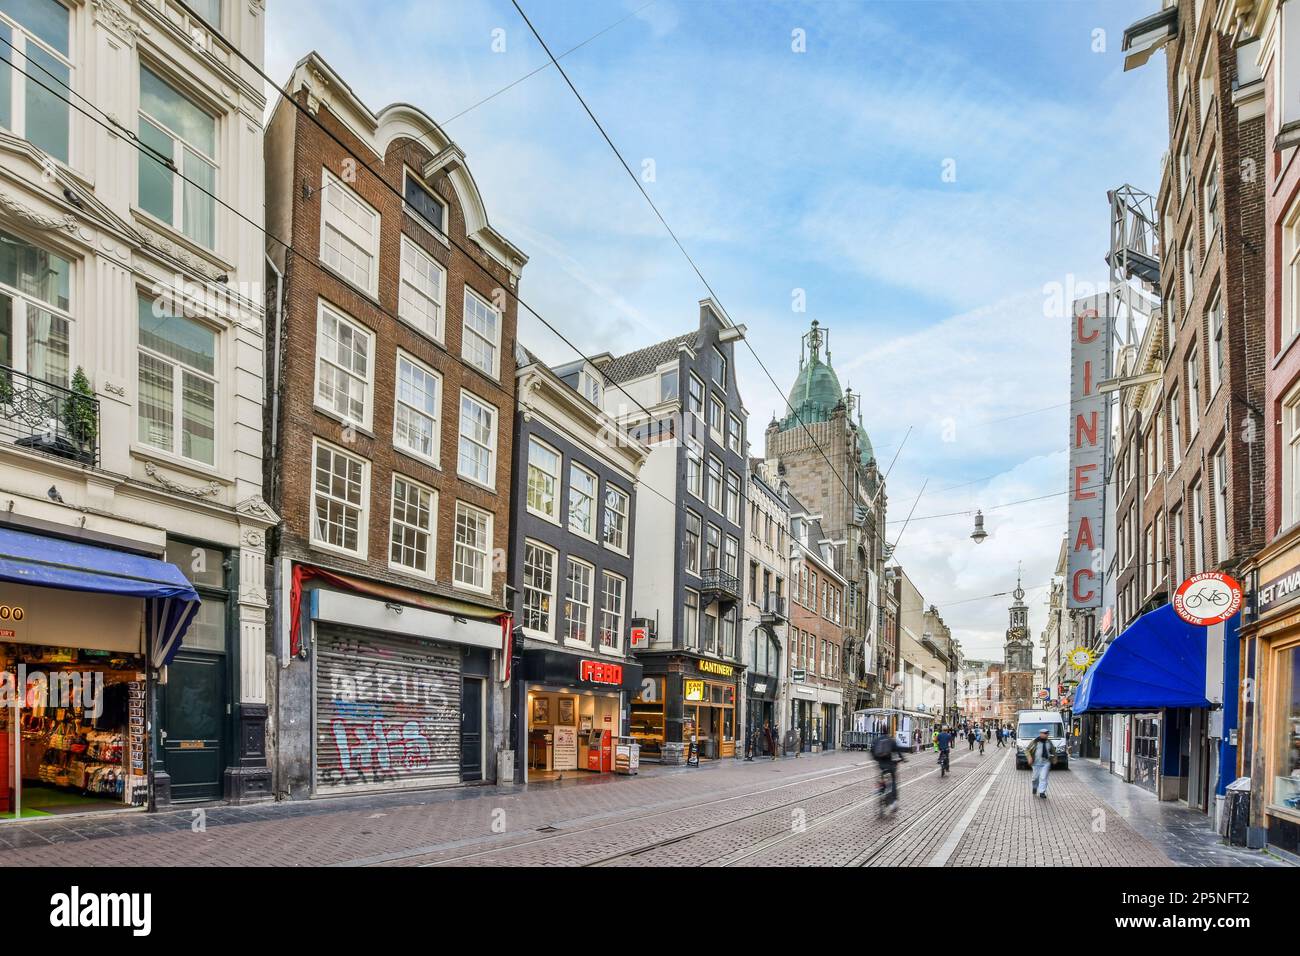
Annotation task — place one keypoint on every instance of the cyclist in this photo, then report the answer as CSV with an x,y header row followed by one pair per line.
x,y
884,749
979,739
944,742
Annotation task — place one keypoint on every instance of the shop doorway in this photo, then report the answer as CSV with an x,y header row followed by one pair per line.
x,y
471,729
194,745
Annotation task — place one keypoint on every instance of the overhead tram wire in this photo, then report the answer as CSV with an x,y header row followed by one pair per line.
x,y
1007,504
631,175
387,185
123,131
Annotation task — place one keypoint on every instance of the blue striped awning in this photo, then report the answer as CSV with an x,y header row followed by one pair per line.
x,y
170,600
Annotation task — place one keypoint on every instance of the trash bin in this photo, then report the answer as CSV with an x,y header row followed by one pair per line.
x,y
1236,813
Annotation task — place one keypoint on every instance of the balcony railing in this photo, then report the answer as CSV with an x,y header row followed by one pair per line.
x,y
773,608
48,418
719,584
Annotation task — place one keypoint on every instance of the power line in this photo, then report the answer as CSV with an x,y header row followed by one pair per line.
x,y
1008,504
640,188
117,129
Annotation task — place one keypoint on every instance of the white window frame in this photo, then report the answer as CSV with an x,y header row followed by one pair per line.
x,y
694,451
418,217
709,484
1291,458
468,334
719,365
1189,273
526,589
24,302
467,395
593,513
21,36
350,231
368,382
181,179
731,499
731,556
677,378
1196,520
592,386
589,616
557,477
693,567
607,616
1180,546
694,381
410,294
1175,429
1193,393
431,531
179,371
718,409
616,492
435,457
1219,480
735,434
1211,192
1291,273
362,507
1218,335
465,508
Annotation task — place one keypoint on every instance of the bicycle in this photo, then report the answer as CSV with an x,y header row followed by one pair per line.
x,y
943,763
1194,599
887,792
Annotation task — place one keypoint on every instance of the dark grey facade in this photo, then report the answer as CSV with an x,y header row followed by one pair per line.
x,y
551,530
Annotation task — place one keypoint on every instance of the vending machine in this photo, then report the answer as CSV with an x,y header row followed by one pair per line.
x,y
600,752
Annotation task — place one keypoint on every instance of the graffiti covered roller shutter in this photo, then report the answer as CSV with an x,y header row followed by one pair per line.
x,y
387,712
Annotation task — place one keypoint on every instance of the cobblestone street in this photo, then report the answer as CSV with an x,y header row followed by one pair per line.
x,y
818,810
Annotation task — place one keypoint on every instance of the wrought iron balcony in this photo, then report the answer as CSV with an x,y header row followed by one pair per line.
x,y
48,418
718,585
773,608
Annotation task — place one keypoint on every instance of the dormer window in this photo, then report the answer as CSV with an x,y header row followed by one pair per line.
x,y
592,387
423,205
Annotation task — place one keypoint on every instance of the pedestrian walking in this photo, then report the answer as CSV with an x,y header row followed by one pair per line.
x,y
1039,755
970,740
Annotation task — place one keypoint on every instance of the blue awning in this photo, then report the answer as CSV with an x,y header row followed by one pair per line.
x,y
1159,661
170,600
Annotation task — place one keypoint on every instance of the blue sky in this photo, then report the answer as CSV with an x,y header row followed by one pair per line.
x,y
822,171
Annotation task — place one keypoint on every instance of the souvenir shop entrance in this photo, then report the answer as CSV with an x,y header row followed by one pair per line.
x,y
74,721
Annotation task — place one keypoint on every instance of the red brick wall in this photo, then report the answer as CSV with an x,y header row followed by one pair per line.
x,y
307,281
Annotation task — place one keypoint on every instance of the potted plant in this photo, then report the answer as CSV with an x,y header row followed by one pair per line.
x,y
81,417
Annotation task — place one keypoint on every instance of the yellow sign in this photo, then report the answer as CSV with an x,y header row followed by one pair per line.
x,y
695,690
1082,658
713,667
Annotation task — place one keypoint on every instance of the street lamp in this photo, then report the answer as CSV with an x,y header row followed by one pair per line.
x,y
979,534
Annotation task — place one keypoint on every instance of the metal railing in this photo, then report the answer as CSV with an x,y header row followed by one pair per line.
x,y
774,606
48,418
719,581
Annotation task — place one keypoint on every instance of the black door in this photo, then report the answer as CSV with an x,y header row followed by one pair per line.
x,y
471,729
194,720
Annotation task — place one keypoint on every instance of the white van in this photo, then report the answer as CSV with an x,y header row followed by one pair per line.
x,y
1029,724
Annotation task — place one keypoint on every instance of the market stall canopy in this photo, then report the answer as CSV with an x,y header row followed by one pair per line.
x,y
170,600
1159,661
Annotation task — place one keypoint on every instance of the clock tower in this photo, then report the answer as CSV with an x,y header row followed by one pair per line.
x,y
1019,649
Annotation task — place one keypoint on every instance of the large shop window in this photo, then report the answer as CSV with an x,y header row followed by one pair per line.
x,y
1286,779
340,494
177,384
174,130
37,83
35,322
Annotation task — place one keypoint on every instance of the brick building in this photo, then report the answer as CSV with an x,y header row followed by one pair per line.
x,y
392,354
817,634
1265,33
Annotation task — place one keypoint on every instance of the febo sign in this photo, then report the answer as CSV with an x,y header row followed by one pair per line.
x,y
1089,427
600,672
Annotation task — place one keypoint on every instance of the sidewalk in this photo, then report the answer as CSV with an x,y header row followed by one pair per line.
x,y
1186,836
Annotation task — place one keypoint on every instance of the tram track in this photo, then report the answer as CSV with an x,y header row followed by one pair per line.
x,y
731,859
564,833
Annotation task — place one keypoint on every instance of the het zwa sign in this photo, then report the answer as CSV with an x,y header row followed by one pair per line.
x,y
1089,429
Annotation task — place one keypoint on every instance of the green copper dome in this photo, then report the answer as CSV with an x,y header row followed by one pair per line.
x,y
816,390
867,453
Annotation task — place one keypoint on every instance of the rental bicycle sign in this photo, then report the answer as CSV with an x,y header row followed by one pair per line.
x,y
1208,598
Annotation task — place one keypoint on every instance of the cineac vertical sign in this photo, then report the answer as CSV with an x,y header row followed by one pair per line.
x,y
1089,433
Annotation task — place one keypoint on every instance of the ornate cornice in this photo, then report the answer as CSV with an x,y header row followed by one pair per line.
x,y
119,19
202,491
178,253
17,209
255,509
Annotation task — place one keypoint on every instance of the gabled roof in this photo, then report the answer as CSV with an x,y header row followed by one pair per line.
x,y
642,362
